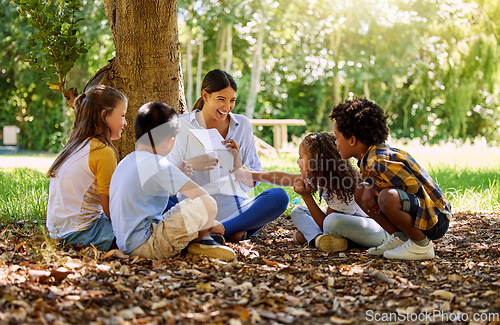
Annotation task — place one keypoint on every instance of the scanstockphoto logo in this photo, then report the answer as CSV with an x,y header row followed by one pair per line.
x,y
438,316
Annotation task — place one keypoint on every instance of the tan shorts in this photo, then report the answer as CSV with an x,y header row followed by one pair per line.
x,y
180,225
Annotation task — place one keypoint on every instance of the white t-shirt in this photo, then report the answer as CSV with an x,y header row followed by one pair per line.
x,y
139,193
74,202
351,208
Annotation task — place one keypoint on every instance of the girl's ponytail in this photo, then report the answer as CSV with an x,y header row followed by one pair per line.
x,y
198,104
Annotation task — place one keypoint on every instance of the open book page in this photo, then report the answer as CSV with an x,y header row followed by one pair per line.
x,y
209,141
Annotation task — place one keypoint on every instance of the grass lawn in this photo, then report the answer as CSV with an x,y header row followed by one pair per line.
x,y
468,175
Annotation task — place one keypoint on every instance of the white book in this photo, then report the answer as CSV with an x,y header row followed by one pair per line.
x,y
209,142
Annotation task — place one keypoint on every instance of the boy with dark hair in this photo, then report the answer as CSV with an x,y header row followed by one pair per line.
x,y
396,192
139,194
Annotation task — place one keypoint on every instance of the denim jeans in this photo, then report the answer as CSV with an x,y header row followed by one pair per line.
x,y
361,230
100,234
251,214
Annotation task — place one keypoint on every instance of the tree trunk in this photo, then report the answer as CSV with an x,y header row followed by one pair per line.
x,y
366,88
221,45
147,63
189,93
256,72
198,68
229,47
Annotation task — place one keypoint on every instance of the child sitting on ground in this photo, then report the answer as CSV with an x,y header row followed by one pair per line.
x,y
322,170
78,205
140,189
396,192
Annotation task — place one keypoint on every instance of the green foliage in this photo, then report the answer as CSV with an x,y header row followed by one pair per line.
x,y
432,65
55,46
25,99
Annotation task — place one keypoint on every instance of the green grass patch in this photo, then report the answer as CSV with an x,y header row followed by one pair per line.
x,y
469,189
23,195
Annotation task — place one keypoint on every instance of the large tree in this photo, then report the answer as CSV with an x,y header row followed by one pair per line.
x,y
147,62
146,66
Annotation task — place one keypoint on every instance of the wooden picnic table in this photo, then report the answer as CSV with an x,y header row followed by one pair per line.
x,y
280,131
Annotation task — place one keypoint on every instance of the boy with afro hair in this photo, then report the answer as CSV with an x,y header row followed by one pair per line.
x,y
396,191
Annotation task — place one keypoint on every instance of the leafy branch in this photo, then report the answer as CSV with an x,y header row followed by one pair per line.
x,y
55,45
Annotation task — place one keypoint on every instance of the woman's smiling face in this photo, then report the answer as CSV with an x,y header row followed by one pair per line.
x,y
218,104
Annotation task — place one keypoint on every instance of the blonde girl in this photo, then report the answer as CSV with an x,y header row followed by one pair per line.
x,y
322,170
78,204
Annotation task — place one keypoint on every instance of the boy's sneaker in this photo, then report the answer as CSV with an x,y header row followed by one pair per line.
x,y
392,243
210,248
218,239
411,251
330,244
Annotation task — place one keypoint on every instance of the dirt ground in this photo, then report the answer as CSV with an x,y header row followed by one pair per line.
x,y
273,281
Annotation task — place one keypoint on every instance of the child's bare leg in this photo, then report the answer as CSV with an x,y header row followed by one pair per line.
x,y
211,207
377,215
390,205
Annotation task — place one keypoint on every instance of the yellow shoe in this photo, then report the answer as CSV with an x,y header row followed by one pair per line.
x,y
210,248
330,244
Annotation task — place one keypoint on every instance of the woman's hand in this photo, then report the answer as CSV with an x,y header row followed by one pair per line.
x,y
234,148
186,168
203,162
301,187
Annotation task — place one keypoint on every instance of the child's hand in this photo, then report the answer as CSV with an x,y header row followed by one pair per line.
x,y
301,187
217,228
203,162
242,174
369,201
186,168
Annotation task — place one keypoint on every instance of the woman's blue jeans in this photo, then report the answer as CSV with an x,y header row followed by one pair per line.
x,y
253,214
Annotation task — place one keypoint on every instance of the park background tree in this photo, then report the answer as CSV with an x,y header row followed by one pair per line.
x,y
146,65
432,65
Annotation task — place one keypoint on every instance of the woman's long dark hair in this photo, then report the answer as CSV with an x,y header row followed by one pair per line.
x,y
214,81
89,122
327,172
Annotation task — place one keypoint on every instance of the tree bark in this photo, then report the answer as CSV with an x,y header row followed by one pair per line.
x,y
189,50
147,63
221,45
229,47
256,72
198,68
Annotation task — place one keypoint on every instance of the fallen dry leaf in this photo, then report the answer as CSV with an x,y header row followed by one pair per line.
x,y
297,285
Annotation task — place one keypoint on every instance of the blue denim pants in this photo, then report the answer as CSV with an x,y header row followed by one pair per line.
x,y
253,214
100,234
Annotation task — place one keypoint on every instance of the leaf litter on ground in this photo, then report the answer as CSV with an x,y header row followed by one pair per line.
x,y
274,280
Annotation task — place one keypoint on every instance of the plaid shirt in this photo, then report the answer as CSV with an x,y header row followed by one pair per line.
x,y
386,167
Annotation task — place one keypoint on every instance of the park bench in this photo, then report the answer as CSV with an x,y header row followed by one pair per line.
x,y
280,135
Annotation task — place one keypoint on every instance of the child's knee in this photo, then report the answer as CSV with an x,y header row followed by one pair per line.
x,y
298,212
388,200
210,205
